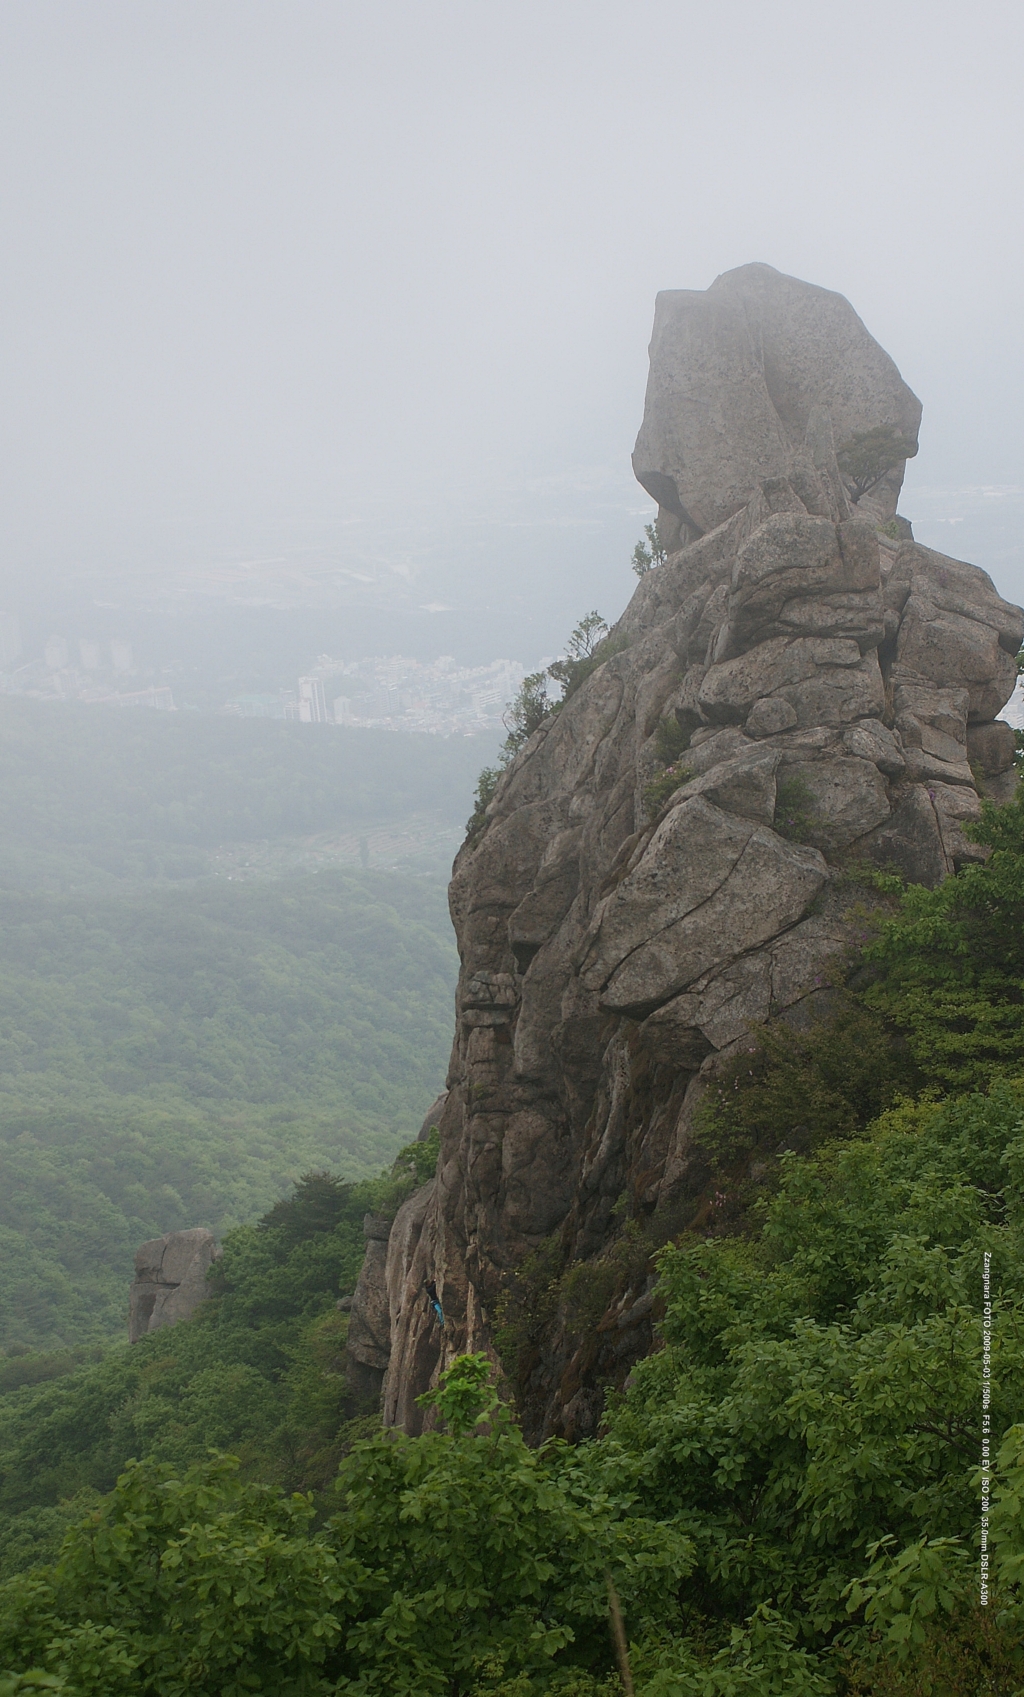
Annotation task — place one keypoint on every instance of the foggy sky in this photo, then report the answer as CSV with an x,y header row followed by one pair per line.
x,y
264,263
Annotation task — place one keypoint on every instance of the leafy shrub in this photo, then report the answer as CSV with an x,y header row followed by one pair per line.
x,y
459,1561
819,1385
200,1584
486,786
527,712
794,810
796,1088
260,1369
950,964
671,739
318,1203
525,715
647,555
762,1658
586,649
527,1305
938,1004
661,788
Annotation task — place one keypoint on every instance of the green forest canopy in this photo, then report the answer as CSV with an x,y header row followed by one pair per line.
x,y
785,1498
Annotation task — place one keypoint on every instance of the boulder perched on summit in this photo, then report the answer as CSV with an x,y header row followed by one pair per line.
x,y
760,376
832,688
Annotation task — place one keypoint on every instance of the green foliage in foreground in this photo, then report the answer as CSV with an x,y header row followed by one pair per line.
x,y
177,1058
786,1498
820,1388
259,1370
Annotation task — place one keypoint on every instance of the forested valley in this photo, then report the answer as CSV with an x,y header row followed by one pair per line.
x,y
783,1500
182,1035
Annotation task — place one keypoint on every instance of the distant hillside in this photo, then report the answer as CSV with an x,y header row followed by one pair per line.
x,y
89,795
173,1058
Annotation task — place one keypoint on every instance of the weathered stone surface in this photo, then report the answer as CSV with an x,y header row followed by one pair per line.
x,y
925,768
860,617
612,961
1000,788
710,746
954,586
737,998
769,886
804,959
955,631
803,575
991,747
542,910
433,1118
743,786
846,798
955,806
415,1333
910,841
672,1035
170,1280
770,715
369,1330
756,367
869,739
687,860
731,688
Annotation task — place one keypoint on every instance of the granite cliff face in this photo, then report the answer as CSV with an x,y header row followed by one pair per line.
x,y
612,952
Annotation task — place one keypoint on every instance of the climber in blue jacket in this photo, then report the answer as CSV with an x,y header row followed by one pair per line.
x,y
431,1290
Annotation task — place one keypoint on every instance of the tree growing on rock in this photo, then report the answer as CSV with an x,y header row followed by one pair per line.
x,y
647,555
585,650
529,708
868,455
581,653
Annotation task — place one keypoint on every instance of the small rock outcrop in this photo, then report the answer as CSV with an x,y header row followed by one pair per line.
x,y
369,1330
836,687
170,1280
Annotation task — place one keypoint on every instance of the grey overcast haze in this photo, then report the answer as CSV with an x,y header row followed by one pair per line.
x,y
342,310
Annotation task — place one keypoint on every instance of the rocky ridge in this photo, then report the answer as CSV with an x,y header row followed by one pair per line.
x,y
836,686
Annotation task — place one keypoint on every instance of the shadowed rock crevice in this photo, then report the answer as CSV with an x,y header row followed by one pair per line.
x,y
836,685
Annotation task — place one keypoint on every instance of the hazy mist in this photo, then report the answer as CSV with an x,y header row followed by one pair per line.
x,y
371,287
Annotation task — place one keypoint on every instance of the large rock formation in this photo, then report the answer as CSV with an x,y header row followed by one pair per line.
x,y
838,684
170,1280
755,378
